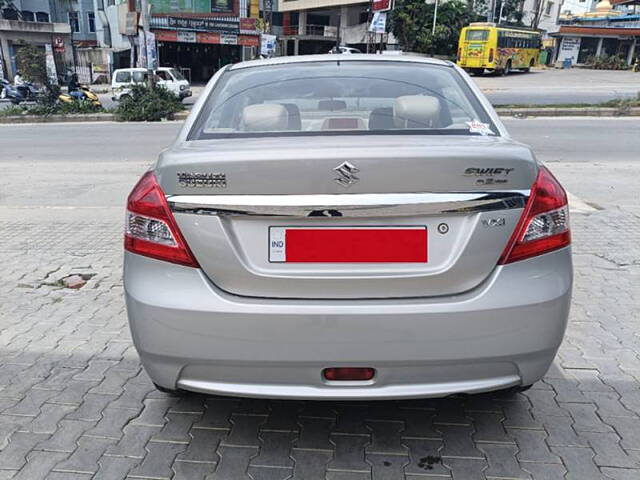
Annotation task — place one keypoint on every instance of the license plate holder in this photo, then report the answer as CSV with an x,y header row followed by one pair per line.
x,y
348,244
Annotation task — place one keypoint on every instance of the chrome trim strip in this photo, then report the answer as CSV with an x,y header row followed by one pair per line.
x,y
349,205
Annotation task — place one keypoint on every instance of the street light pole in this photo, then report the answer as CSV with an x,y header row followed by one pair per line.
x,y
501,9
435,16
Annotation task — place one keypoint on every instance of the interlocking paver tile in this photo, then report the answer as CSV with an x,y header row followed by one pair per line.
x,y
387,467
65,438
489,428
579,462
244,430
532,446
608,405
203,445
562,434
349,453
310,464
351,419
191,403
585,418
158,461
620,474
192,471
153,413
628,429
518,414
424,457
275,448
608,451
234,463
458,442
418,423
13,456
283,415
39,465
466,468
115,468
544,471
49,417
314,433
133,441
385,437
177,427
91,407
217,413
85,457
269,473
113,422
502,461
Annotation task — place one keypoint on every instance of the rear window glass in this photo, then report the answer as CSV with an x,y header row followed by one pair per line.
x,y
139,77
346,97
123,77
478,35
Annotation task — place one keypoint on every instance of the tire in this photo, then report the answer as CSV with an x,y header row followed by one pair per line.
x,y
528,69
477,71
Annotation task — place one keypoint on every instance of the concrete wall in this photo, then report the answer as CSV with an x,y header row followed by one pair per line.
x,y
14,32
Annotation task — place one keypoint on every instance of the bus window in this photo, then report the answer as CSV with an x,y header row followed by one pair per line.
x,y
477,35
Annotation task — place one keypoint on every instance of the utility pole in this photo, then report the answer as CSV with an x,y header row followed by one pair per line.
x,y
369,18
501,9
435,16
144,6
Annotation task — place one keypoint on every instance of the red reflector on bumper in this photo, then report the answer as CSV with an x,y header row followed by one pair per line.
x,y
349,373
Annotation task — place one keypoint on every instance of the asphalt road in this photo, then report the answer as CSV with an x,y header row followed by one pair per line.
x,y
92,166
539,87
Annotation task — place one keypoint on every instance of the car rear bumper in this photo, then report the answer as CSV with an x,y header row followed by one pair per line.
x,y
191,335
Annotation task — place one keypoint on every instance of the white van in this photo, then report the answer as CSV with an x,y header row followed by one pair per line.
x,y
170,78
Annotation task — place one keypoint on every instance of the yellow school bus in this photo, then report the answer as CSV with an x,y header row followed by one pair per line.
x,y
486,46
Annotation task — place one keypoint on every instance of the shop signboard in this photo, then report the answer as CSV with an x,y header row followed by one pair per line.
x,y
267,44
204,24
181,6
187,37
569,49
227,39
249,24
379,23
382,5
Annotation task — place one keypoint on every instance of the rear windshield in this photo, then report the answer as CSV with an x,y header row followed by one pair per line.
x,y
346,97
123,77
478,35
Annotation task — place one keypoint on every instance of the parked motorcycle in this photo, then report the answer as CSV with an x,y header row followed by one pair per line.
x,y
88,96
27,92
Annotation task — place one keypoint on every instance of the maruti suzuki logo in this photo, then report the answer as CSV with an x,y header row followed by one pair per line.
x,y
346,174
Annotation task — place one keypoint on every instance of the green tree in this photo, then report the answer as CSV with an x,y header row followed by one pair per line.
x,y
411,22
32,63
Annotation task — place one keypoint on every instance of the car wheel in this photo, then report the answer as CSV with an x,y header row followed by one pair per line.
x,y
477,71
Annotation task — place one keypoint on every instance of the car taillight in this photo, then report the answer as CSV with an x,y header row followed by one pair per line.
x,y
150,228
490,55
544,225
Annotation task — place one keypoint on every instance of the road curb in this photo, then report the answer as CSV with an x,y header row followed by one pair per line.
x,y
503,112
74,117
569,112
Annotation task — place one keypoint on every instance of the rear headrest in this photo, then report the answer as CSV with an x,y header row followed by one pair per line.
x,y
264,118
416,111
332,105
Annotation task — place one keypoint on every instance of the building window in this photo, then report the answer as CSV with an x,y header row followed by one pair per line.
x,y
548,9
74,22
27,16
91,18
42,17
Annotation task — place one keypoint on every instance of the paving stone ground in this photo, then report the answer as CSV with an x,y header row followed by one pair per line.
x,y
76,405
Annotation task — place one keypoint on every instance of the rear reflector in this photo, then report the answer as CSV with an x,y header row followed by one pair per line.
x,y
349,374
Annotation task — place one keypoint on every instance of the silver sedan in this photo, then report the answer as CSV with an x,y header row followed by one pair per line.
x,y
343,227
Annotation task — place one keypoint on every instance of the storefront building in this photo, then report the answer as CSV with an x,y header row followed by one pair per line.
x,y
205,37
604,32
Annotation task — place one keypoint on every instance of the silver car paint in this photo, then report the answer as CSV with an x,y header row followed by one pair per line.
x,y
476,328
192,335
